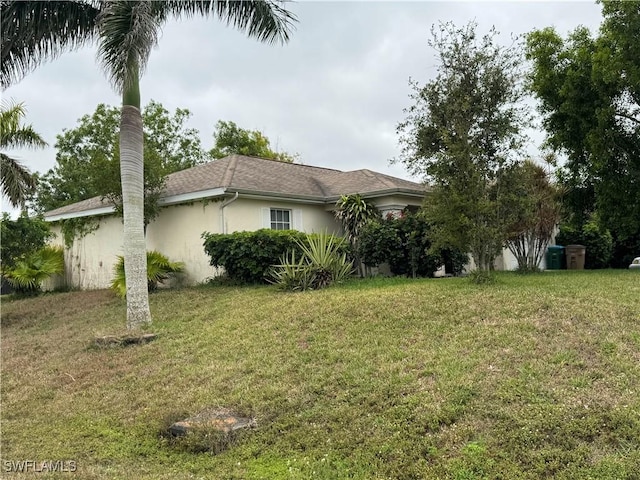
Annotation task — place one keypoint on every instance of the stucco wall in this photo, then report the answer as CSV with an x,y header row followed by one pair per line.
x,y
177,233
90,260
248,215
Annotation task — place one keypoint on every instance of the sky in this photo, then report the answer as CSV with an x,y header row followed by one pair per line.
x,y
333,94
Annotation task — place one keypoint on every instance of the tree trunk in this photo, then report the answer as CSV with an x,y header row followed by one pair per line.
x,y
132,176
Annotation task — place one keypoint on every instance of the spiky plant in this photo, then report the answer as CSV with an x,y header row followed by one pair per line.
x,y
322,264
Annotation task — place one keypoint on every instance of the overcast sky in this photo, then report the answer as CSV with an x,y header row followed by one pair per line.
x,y
334,93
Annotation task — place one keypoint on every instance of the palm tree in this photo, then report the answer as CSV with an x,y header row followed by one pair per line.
x,y
126,31
17,181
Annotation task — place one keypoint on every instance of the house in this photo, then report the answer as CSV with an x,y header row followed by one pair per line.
x,y
231,194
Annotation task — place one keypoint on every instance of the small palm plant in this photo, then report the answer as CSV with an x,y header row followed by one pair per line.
x,y
354,213
159,269
27,275
321,264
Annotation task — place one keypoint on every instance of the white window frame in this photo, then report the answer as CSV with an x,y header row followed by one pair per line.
x,y
295,217
274,224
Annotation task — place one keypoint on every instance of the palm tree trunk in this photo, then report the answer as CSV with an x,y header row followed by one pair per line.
x,y
132,177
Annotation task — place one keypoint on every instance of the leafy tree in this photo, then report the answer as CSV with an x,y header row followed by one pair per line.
x,y
88,158
230,139
125,32
463,129
597,240
354,213
532,204
21,237
16,182
589,92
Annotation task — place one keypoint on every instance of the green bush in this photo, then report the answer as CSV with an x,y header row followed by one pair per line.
x,y
404,243
322,264
159,269
27,275
21,237
247,257
597,240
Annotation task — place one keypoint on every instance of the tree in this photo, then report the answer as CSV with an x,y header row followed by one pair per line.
x,y
88,158
21,237
532,204
354,213
126,32
230,139
463,129
589,93
17,182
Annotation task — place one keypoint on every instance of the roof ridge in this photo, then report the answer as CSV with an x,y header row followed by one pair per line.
x,y
230,170
293,164
380,176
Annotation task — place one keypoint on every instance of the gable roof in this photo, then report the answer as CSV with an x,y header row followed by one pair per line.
x,y
258,177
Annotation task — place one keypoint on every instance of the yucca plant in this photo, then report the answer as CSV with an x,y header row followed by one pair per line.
x,y
321,264
292,274
27,275
159,269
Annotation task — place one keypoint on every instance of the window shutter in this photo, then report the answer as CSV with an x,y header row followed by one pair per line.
x,y
266,217
297,220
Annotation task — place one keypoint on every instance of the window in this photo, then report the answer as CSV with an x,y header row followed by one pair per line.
x,y
280,219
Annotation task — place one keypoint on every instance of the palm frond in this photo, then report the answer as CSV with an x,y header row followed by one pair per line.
x,y
17,181
13,134
128,32
264,20
159,269
34,32
28,274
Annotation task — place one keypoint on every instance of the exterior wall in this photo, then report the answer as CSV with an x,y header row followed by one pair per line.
x,y
177,233
90,260
248,215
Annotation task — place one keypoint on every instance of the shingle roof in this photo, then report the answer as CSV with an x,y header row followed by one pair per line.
x,y
268,177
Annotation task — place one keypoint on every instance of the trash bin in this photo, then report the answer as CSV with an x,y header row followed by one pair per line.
x,y
575,257
555,254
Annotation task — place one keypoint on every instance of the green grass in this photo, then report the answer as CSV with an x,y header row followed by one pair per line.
x,y
531,377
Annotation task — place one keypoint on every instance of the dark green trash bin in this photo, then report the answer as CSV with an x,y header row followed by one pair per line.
x,y
555,257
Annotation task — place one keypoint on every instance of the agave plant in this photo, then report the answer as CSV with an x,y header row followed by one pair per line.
x,y
159,269
27,275
321,264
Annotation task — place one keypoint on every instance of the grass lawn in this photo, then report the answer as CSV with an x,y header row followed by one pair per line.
x,y
533,377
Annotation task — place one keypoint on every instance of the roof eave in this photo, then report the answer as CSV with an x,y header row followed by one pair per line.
x,y
163,202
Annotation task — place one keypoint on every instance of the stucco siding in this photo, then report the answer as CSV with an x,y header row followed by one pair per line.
x,y
248,215
177,233
90,260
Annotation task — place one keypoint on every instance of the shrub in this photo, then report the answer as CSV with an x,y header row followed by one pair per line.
x,y
159,269
404,243
21,237
27,275
322,264
597,240
247,257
